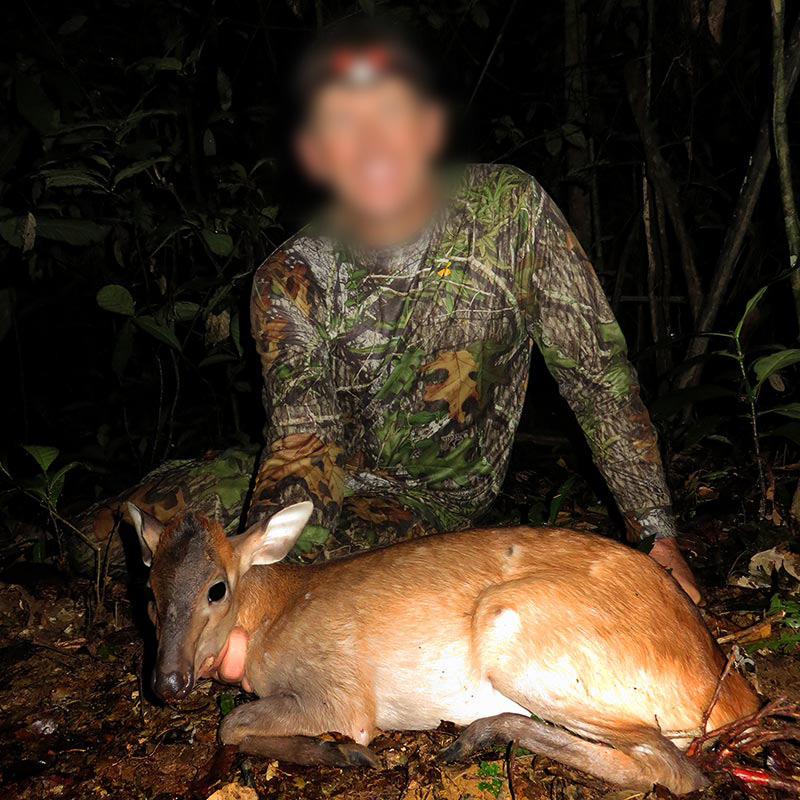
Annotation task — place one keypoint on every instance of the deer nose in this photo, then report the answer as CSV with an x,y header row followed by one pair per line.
x,y
172,685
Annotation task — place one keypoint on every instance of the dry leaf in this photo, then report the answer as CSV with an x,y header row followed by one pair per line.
x,y
762,565
234,791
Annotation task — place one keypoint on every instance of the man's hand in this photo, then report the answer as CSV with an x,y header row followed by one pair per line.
x,y
666,552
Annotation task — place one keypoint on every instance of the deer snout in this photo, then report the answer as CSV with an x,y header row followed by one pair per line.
x,y
172,685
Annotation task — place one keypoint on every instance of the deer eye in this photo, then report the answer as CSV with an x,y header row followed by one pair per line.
x,y
217,591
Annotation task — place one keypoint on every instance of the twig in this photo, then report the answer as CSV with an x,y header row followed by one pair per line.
x,y
715,697
491,55
744,632
510,761
735,734
658,171
50,647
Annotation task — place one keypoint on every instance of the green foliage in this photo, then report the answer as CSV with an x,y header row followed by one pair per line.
x,y
491,771
47,486
744,388
136,197
789,637
226,702
116,299
563,493
767,366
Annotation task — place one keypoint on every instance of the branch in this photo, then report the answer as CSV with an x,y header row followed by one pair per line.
x,y
489,58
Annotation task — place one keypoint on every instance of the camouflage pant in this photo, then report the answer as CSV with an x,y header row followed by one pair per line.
x,y
218,486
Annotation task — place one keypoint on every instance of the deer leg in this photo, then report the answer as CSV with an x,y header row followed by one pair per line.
x,y
276,727
644,756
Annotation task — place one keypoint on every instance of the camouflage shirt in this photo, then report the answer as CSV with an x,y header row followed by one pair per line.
x,y
403,372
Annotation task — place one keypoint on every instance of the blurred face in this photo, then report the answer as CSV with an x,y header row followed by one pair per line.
x,y
372,146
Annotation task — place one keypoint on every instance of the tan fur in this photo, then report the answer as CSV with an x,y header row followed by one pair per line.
x,y
579,630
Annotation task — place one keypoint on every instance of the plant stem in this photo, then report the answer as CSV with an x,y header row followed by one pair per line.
x,y
751,394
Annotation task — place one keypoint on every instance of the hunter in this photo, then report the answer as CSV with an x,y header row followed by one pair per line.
x,y
395,330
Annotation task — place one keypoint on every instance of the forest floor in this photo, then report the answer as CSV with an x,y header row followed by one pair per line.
x,y
77,722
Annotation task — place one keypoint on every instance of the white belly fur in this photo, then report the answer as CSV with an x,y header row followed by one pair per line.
x,y
436,687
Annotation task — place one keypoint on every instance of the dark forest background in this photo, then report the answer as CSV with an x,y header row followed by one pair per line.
x,y
145,173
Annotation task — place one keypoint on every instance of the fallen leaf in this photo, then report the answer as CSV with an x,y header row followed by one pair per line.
x,y
762,565
234,791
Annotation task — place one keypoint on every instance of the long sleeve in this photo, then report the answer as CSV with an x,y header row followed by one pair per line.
x,y
569,318
302,458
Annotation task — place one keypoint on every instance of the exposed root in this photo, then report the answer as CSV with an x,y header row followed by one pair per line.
x,y
778,721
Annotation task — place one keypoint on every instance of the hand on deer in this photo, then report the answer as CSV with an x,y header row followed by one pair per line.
x,y
666,553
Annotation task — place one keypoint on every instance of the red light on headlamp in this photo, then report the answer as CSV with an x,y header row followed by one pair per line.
x,y
360,66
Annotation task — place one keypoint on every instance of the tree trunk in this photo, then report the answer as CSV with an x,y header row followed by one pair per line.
x,y
579,205
781,136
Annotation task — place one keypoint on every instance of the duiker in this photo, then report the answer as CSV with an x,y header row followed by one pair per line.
x,y
483,628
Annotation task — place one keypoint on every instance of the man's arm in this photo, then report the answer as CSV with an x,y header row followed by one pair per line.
x,y
302,458
572,323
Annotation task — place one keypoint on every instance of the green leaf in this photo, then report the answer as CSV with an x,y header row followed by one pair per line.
x,y
368,7
219,295
774,362
750,305
72,25
158,330
116,299
57,481
185,310
10,231
71,178
155,64
136,168
79,232
260,163
480,17
137,117
564,491
574,135
220,244
44,456
227,702
789,430
789,410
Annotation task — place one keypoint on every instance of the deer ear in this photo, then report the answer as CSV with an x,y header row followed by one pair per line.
x,y
148,530
268,542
